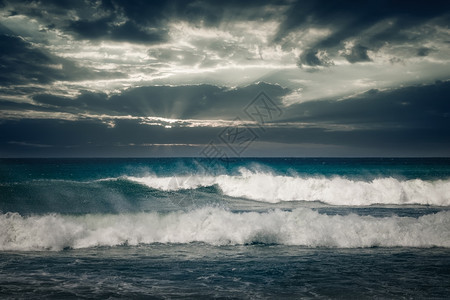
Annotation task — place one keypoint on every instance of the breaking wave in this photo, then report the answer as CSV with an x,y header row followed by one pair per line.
x,y
302,227
337,190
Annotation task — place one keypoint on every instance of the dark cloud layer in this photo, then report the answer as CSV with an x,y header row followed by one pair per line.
x,y
314,57
147,22
414,120
21,63
357,53
424,51
350,20
37,120
185,102
416,107
138,21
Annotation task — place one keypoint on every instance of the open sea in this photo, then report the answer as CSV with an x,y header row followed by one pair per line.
x,y
245,228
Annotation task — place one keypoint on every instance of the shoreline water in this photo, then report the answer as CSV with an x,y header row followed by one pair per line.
x,y
172,228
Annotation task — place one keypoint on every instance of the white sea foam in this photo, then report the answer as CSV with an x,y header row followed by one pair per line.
x,y
303,227
268,187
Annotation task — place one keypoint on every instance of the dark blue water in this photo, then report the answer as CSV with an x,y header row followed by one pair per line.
x,y
205,271
241,228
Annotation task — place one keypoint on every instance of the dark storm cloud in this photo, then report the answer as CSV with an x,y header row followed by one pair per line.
x,y
138,21
211,13
96,20
11,105
21,63
90,137
357,53
349,20
351,17
147,22
415,107
129,31
314,57
196,101
424,51
91,29
413,120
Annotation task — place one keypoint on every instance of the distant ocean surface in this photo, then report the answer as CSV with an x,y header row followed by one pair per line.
x,y
240,228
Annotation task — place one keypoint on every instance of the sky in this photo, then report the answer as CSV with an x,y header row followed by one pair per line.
x,y
135,78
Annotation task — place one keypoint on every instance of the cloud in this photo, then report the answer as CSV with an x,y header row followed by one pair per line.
x,y
351,18
188,57
137,21
91,29
314,58
20,106
92,137
123,70
373,25
356,54
210,13
106,28
177,102
407,108
424,51
412,120
129,31
22,63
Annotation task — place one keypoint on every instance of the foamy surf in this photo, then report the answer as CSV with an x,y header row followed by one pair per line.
x,y
181,228
302,227
337,190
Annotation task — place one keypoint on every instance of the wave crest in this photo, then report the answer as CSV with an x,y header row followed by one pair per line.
x,y
272,188
302,227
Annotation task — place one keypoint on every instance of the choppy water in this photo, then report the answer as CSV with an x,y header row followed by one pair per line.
x,y
246,228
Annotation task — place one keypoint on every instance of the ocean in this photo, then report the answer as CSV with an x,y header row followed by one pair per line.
x,y
243,228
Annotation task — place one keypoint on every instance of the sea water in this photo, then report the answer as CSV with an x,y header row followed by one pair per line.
x,y
236,228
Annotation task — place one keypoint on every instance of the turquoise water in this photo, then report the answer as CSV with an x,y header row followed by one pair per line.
x,y
241,228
